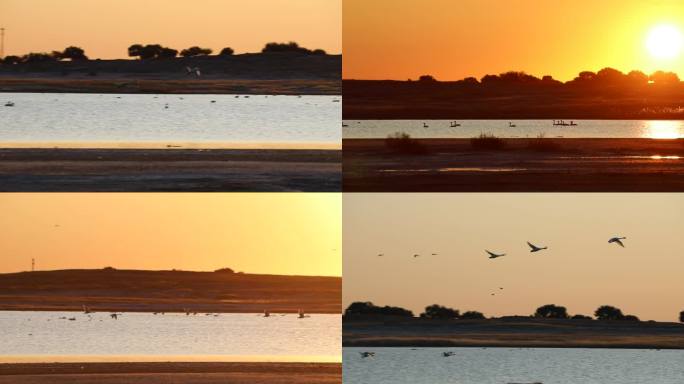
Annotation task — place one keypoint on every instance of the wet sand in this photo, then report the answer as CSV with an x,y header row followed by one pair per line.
x,y
558,165
169,170
171,373
522,332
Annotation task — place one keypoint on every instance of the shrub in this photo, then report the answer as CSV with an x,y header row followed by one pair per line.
x,y
224,270
401,142
582,317
607,312
435,311
472,315
227,51
368,308
196,51
551,311
487,142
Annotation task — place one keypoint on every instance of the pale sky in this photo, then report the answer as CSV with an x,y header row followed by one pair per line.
x,y
106,28
580,270
273,233
401,39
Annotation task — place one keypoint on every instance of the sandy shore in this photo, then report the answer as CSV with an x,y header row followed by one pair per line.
x,y
562,165
516,332
177,169
191,373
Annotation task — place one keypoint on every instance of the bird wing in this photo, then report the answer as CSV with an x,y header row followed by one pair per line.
x,y
619,242
534,247
492,254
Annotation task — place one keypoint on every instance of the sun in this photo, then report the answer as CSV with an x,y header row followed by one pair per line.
x,y
664,42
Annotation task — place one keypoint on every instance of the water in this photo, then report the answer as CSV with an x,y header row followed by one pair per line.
x,y
658,129
109,118
43,336
514,365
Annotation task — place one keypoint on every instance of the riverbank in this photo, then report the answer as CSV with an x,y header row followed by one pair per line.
x,y
515,332
515,165
191,373
169,170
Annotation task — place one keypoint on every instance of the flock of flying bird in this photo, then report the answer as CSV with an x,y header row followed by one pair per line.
x,y
533,248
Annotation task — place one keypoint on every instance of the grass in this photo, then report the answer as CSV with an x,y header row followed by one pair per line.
x,y
487,142
401,142
543,144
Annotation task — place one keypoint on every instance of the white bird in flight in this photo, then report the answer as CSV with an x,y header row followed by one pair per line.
x,y
617,240
493,255
534,248
194,70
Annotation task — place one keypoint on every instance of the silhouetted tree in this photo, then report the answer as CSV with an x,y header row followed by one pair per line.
x,y
681,317
585,76
427,79
150,51
637,77
472,315
38,58
609,76
435,311
225,270
470,81
607,312
368,308
135,50
551,311
168,53
227,51
630,318
318,51
196,51
661,77
74,54
290,47
11,60
582,317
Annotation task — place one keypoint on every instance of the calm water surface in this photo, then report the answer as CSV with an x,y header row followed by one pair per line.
x,y
45,336
659,129
110,118
514,365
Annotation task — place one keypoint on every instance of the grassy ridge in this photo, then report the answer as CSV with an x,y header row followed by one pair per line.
x,y
168,291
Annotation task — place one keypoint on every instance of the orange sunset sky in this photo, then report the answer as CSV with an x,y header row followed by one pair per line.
x,y
273,233
580,269
106,28
401,39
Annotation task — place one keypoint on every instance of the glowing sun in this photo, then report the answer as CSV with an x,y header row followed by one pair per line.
x,y
664,42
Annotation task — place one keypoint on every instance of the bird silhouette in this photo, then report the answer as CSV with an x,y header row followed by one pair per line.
x,y
617,240
534,248
493,255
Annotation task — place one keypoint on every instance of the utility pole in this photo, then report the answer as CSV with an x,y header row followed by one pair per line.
x,y
2,43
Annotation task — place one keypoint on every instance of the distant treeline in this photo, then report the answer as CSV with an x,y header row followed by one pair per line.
x,y
150,51
606,94
605,77
435,311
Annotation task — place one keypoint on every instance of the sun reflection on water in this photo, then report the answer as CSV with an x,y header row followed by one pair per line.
x,y
664,129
